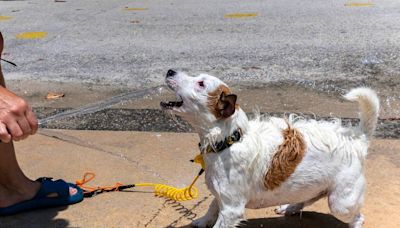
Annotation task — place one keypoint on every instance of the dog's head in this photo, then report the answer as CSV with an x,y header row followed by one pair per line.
x,y
200,98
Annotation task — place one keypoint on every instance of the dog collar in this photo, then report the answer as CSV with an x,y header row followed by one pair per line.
x,y
222,145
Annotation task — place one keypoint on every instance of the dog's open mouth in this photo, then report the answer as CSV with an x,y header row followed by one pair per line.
x,y
171,104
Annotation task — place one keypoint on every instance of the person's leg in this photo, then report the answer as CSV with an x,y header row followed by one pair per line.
x,y
14,185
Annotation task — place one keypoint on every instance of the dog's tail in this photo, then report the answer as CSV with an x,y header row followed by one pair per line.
x,y
369,108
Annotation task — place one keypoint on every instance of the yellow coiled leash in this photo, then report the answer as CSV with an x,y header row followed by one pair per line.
x,y
160,190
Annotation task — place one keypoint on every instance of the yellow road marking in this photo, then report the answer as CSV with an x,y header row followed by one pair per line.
x,y
355,4
4,18
240,15
135,9
31,35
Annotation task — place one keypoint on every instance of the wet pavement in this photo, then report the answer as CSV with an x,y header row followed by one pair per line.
x,y
159,121
139,110
132,44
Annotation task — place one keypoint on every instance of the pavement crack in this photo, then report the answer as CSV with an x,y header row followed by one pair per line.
x,y
187,213
156,214
180,208
76,141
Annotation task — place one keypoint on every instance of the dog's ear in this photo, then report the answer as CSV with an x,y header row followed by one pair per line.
x,y
227,104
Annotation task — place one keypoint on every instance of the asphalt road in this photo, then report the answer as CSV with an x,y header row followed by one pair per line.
x,y
125,43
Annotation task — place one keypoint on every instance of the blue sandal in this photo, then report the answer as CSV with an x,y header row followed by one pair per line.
x,y
51,194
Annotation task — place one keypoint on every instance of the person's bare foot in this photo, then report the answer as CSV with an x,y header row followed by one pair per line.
x,y
12,195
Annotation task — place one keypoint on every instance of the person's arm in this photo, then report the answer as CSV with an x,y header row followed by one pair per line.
x,y
17,121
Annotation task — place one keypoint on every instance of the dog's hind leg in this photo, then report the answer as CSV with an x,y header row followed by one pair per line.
x,y
292,209
208,220
345,202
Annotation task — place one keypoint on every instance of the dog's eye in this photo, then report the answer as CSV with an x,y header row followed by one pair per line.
x,y
201,84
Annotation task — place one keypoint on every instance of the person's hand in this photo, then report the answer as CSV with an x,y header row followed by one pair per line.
x,y
17,121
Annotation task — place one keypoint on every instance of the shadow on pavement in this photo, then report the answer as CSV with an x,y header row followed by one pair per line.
x,y
307,220
42,218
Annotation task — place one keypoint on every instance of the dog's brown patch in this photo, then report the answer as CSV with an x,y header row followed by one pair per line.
x,y
289,155
219,106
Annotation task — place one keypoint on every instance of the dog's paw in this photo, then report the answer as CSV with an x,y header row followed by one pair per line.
x,y
289,209
281,210
358,222
203,222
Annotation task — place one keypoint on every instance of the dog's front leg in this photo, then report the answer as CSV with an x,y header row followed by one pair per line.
x,y
208,220
230,214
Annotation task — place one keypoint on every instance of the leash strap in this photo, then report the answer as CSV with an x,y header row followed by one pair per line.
x,y
92,191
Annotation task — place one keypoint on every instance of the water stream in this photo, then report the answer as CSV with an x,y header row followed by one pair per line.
x,y
101,105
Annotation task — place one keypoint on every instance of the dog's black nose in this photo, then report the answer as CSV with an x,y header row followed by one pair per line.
x,y
171,73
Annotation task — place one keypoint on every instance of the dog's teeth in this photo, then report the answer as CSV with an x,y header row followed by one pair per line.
x,y
164,105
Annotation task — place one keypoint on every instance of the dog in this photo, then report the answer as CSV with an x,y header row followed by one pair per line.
x,y
269,161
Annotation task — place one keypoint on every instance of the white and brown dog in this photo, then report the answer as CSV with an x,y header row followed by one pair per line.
x,y
270,161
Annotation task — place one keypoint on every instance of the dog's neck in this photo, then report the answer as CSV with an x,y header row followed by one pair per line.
x,y
221,129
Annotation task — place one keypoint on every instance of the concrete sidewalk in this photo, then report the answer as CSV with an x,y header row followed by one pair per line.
x,y
132,157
